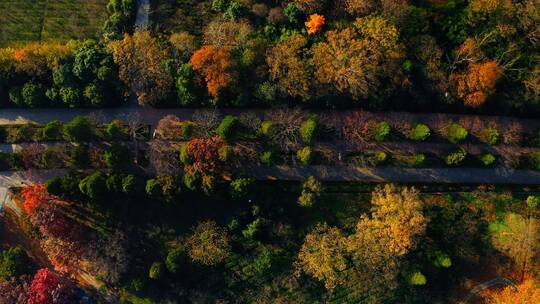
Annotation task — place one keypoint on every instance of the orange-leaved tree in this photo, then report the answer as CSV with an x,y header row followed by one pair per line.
x,y
34,196
214,65
477,82
315,23
527,292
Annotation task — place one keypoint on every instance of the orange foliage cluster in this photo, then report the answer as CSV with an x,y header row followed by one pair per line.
x,y
18,54
34,197
525,293
314,24
205,154
214,64
477,82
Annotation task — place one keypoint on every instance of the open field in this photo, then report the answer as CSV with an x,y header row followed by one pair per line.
x,y
40,20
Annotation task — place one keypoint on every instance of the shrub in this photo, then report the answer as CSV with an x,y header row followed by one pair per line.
x,y
184,154
535,160
175,259
51,158
380,157
52,130
33,95
455,133
80,157
114,183
116,130
192,180
153,188
311,191
416,160
252,229
268,128
129,184
267,158
228,127
239,187
94,186
14,262
305,155
457,157
117,157
156,271
382,130
208,184
441,259
487,159
186,129
420,132
417,278
489,136
78,130
54,186
308,131
225,153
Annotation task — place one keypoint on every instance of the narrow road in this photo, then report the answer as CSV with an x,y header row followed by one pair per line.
x,y
485,285
142,19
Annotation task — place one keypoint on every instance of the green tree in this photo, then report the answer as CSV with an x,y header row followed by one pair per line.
x,y
52,130
311,191
175,260
239,187
79,129
308,130
94,186
228,127
33,95
14,262
117,157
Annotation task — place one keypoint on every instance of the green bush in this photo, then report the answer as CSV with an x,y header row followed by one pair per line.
x,y
114,183
94,186
33,95
268,128
228,127
79,129
51,158
80,157
184,155
192,180
14,262
253,229
176,258
416,160
116,130
311,191
382,130
487,159
153,188
420,132
455,133
489,136
186,129
380,157
52,130
156,271
305,155
129,184
239,187
117,157
308,131
225,153
441,259
535,160
267,158
457,157
417,278
54,186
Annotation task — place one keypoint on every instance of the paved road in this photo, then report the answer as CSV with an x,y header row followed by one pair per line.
x,y
399,175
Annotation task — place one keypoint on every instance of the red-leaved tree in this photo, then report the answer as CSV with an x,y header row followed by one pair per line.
x,y
204,152
49,288
34,197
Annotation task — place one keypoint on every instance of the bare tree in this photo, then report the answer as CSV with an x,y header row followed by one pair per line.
x,y
163,157
135,125
169,127
287,132
206,122
250,121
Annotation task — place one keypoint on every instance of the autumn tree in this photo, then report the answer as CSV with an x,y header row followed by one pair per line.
x,y
221,33
475,84
393,9
384,238
204,154
310,6
214,65
519,238
288,67
314,24
141,60
355,61
34,196
527,292
48,287
208,244
323,255
184,44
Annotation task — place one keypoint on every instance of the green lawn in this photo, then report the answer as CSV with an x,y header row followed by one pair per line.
x,y
41,20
